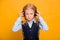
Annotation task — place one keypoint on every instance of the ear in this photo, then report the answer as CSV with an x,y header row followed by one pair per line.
x,y
36,18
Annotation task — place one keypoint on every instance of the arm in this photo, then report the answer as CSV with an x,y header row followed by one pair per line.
x,y
17,25
42,24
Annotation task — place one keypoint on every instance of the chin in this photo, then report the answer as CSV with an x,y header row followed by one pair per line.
x,y
30,20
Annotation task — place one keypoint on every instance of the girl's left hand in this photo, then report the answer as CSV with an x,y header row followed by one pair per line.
x,y
38,14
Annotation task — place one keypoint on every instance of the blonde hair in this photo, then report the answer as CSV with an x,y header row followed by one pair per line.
x,y
33,7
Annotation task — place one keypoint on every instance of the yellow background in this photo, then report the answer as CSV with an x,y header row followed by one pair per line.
x,y
50,11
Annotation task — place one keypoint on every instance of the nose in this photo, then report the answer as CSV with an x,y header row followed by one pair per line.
x,y
29,16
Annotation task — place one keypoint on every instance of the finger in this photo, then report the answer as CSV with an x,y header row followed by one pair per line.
x,y
38,12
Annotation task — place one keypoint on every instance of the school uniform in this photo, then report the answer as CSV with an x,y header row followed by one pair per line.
x,y
30,29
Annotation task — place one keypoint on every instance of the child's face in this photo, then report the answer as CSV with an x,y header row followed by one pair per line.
x,y
29,14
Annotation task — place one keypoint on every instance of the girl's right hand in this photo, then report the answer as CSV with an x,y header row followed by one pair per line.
x,y
21,14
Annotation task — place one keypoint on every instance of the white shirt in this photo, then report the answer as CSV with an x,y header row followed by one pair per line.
x,y
18,25
30,23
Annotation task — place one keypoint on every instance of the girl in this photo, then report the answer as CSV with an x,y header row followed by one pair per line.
x,y
31,26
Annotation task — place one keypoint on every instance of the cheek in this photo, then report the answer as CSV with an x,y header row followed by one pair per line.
x,y
26,16
32,15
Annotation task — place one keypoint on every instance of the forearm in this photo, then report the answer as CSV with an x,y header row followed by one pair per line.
x,y
17,25
43,24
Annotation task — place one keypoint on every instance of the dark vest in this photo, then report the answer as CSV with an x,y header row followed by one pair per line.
x,y
30,33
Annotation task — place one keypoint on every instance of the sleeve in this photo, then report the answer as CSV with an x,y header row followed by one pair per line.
x,y
42,24
17,25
